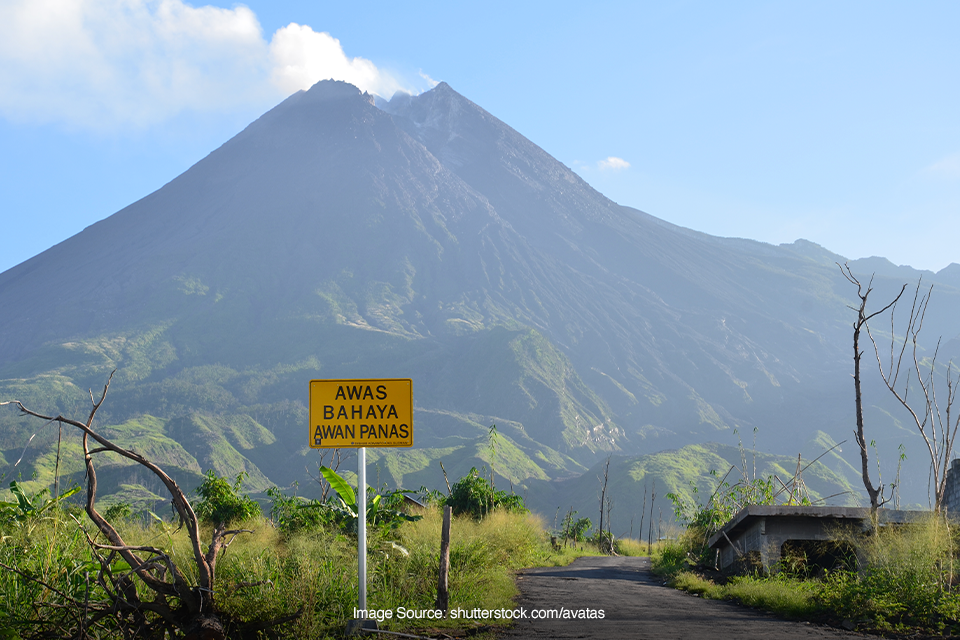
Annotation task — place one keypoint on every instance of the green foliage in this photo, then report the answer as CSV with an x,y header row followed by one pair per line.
x,y
473,494
292,514
383,509
704,520
347,496
118,511
27,509
906,580
431,497
578,530
269,574
575,529
671,557
221,503
725,502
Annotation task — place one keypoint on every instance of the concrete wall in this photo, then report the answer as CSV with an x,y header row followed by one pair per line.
x,y
951,496
754,537
764,537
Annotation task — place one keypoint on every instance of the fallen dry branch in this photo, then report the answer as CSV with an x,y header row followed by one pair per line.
x,y
177,608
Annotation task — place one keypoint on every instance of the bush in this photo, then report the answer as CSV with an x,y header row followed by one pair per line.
x,y
671,558
630,547
29,509
118,511
472,494
905,581
575,528
221,502
291,514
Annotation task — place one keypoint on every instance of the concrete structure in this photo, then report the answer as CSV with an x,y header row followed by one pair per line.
x,y
754,538
951,493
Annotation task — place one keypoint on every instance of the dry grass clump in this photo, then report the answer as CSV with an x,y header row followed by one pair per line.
x,y
905,581
907,578
631,547
266,574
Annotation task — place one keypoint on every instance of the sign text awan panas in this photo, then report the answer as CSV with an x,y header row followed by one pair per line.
x,y
361,413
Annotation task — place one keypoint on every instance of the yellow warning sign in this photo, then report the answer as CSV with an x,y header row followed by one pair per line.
x,y
361,413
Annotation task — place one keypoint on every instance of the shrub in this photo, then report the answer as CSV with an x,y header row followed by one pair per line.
x,y
575,528
472,494
630,547
294,513
905,580
221,503
670,557
118,511
28,509
382,510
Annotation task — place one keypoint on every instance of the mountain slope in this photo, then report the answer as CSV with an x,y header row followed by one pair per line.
x,y
424,238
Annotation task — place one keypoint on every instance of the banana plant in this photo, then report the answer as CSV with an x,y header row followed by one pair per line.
x,y
29,508
377,512
348,499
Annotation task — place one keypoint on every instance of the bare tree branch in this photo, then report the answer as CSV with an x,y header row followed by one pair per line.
x,y
938,428
181,609
875,493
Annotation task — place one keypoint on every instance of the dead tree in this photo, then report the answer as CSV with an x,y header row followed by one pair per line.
x,y
178,608
875,493
603,499
937,427
336,458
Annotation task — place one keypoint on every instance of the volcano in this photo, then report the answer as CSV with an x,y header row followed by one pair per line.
x,y
344,236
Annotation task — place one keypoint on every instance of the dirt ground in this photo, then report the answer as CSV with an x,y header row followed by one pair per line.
x,y
636,605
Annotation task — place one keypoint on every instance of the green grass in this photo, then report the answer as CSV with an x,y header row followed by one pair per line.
x,y
906,583
631,547
266,575
785,596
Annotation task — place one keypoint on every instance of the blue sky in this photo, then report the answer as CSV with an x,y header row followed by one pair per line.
x,y
834,122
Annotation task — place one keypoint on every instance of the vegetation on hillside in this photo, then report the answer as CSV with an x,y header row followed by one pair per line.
x,y
898,578
298,567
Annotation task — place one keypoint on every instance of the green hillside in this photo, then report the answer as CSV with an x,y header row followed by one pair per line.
x,y
692,472
426,239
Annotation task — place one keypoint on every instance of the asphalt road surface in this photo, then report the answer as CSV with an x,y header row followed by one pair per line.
x,y
636,605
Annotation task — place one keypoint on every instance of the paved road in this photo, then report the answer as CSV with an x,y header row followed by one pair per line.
x,y
636,605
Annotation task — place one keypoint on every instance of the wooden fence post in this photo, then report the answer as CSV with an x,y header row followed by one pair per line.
x,y
443,596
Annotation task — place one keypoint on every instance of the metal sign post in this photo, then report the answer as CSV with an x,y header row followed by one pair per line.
x,y
361,414
362,526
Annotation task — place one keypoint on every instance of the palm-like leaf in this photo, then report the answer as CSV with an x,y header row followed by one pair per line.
x,y
344,490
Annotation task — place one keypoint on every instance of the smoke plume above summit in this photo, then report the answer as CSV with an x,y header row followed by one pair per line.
x,y
107,64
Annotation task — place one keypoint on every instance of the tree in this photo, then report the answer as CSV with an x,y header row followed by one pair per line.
x,y
875,493
604,502
934,420
472,494
179,607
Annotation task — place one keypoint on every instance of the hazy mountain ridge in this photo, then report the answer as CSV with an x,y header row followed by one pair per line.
x,y
426,239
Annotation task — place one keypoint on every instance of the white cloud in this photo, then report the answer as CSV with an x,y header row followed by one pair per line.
x,y
104,64
430,81
947,167
301,57
613,164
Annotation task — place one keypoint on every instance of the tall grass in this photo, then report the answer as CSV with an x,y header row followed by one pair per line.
x,y
784,595
266,575
670,557
632,547
906,580
51,551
